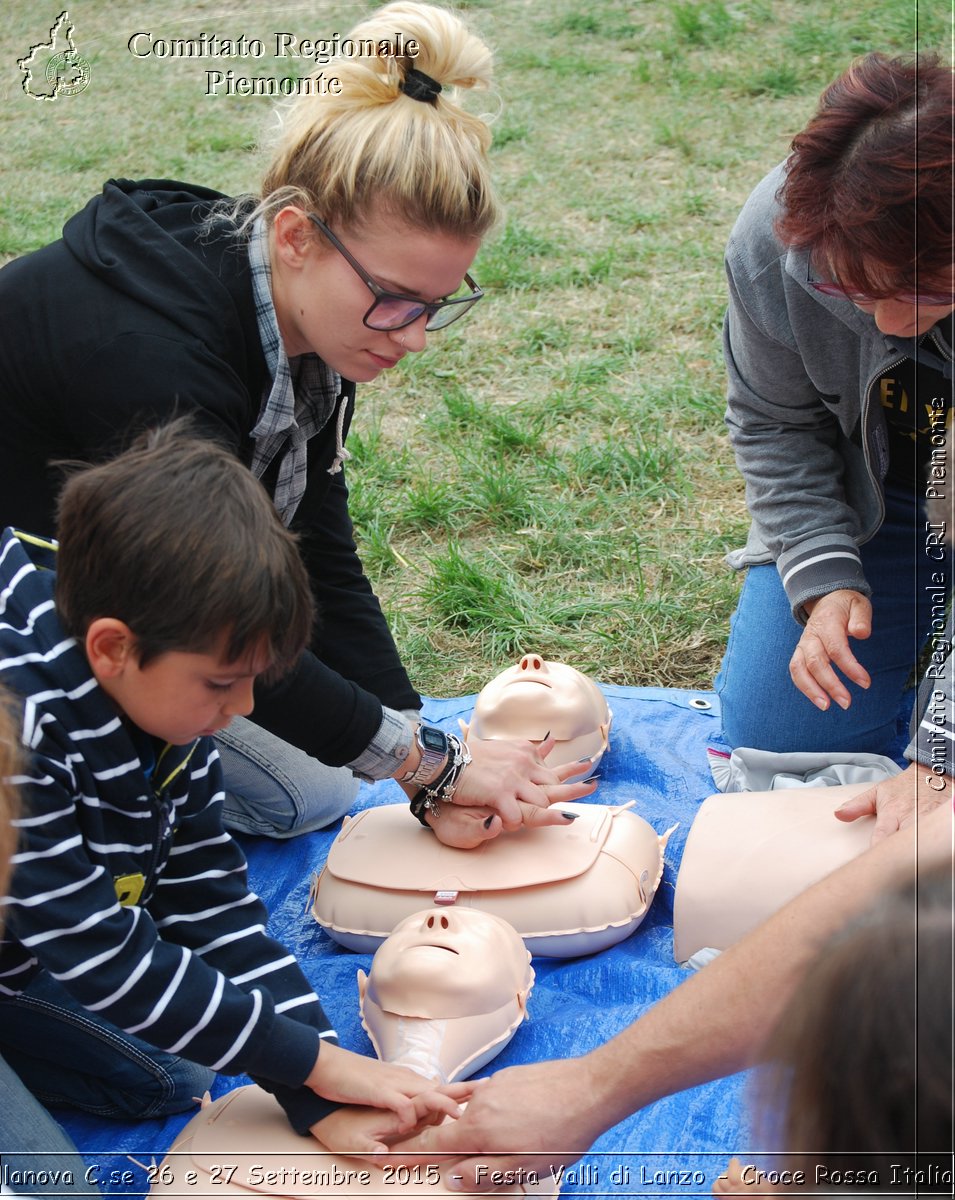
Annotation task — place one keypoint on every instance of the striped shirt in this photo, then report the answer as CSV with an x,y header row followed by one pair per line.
x,y
126,888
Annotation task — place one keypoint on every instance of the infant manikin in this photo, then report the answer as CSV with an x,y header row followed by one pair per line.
x,y
446,991
534,699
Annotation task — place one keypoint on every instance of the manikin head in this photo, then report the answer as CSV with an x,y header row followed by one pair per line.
x,y
447,990
535,698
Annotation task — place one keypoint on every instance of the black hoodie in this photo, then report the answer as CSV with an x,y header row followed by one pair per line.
x,y
139,313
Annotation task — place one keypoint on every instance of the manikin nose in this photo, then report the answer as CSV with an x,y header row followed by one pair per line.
x,y
438,922
532,662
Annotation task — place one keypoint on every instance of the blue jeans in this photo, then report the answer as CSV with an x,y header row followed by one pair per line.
x,y
273,789
761,706
69,1057
30,1140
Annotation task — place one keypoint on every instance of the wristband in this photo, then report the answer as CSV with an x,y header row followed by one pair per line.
x,y
427,799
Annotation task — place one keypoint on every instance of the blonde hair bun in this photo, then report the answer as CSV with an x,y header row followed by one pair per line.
x,y
368,146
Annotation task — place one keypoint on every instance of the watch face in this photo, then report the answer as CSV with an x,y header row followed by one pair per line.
x,y
433,739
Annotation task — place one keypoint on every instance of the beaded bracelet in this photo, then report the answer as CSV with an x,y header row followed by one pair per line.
x,y
427,799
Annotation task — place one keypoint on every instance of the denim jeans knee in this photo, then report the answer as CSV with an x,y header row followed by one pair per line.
x,y
761,706
37,1154
68,1057
273,789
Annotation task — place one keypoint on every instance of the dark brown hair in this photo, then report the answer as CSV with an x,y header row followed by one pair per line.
x,y
868,186
860,1063
176,538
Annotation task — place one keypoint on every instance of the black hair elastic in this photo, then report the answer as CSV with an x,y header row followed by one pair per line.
x,y
419,86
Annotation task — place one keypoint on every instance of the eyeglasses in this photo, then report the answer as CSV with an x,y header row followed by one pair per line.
x,y
391,310
829,287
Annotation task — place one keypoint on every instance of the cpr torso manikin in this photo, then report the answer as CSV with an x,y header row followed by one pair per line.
x,y
536,698
446,991
749,853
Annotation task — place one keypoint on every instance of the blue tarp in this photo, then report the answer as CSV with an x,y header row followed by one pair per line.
x,y
657,757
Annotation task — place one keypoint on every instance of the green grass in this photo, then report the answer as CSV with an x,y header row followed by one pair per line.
x,y
551,474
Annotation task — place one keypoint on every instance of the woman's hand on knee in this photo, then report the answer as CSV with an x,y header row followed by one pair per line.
x,y
824,644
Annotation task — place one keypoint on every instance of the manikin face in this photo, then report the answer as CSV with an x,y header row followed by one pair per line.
x,y
320,300
534,698
449,962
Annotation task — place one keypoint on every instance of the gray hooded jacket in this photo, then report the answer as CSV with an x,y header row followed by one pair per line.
x,y
807,427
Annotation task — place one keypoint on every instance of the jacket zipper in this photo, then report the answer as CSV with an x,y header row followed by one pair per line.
x,y
867,407
866,414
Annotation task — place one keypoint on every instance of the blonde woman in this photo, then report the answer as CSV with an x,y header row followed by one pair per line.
x,y
260,316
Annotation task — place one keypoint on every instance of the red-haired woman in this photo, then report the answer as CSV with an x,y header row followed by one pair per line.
x,y
838,344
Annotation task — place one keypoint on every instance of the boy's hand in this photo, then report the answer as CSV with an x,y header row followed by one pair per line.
x,y
353,1079
367,1131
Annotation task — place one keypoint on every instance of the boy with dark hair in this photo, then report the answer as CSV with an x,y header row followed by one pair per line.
x,y
134,950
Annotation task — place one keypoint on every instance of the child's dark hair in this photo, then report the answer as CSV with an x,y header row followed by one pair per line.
x,y
176,538
860,1064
